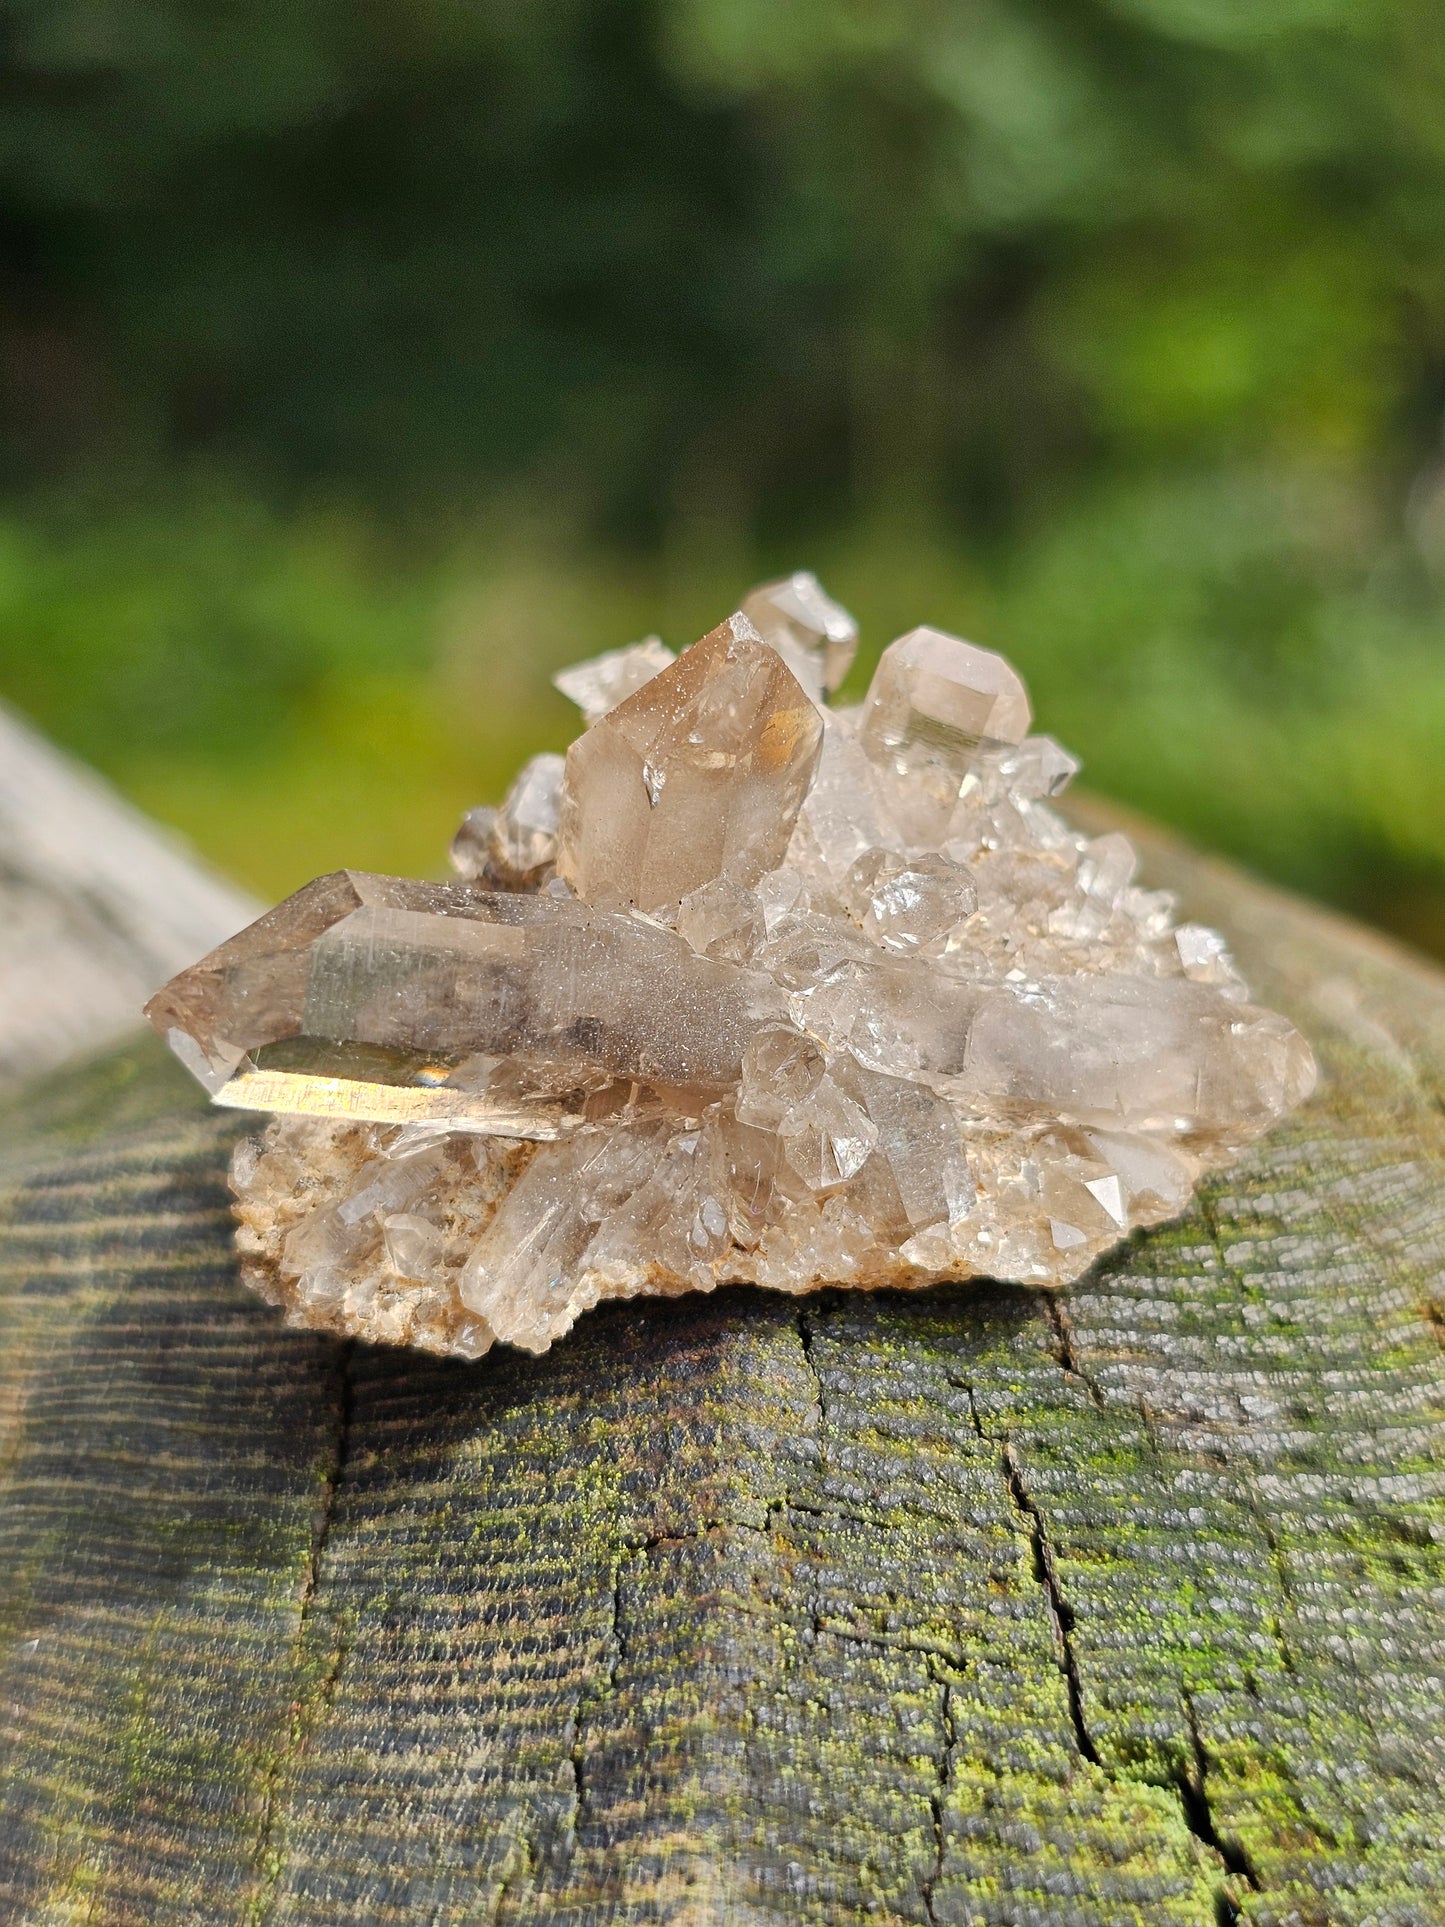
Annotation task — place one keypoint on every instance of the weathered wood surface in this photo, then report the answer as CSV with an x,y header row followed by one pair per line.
x,y
969,1606
97,907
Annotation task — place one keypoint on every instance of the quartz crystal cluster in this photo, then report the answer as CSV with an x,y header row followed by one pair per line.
x,y
747,987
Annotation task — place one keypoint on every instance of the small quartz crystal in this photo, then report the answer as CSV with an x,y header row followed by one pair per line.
x,y
603,683
906,902
512,848
814,635
1038,767
524,835
935,703
745,989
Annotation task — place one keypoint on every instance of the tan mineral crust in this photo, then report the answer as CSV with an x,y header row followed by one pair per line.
x,y
747,988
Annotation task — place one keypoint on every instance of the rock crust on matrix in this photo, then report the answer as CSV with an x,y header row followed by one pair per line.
x,y
747,989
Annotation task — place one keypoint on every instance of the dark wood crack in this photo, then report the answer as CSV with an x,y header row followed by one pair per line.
x,y
1052,1307
1193,1786
587,1701
805,1339
1061,1613
939,1794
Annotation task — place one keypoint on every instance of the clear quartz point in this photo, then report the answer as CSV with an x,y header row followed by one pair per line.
x,y
781,1069
524,831
700,774
512,848
722,919
826,1137
471,847
934,703
904,903
1037,767
605,681
814,635
840,816
746,990
520,1276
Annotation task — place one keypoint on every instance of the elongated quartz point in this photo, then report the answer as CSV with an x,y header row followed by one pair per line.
x,y
699,774
380,997
1144,1054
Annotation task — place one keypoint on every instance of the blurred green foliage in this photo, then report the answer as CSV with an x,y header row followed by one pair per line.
x,y
363,359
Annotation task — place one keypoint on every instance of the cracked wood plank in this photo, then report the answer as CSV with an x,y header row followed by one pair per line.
x,y
1121,1607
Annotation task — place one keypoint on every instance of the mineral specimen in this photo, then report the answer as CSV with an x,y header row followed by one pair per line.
x,y
748,989
933,705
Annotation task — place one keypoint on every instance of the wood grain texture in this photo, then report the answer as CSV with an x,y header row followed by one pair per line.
x,y
970,1606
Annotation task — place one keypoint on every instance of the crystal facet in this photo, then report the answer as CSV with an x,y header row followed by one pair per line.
x,y
934,703
747,990
603,683
906,902
524,835
699,774
814,635
512,848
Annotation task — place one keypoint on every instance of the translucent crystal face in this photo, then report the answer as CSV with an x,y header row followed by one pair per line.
x,y
936,698
511,848
840,817
816,636
721,919
934,703
781,1069
1038,767
524,835
603,683
748,989
698,775
905,903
